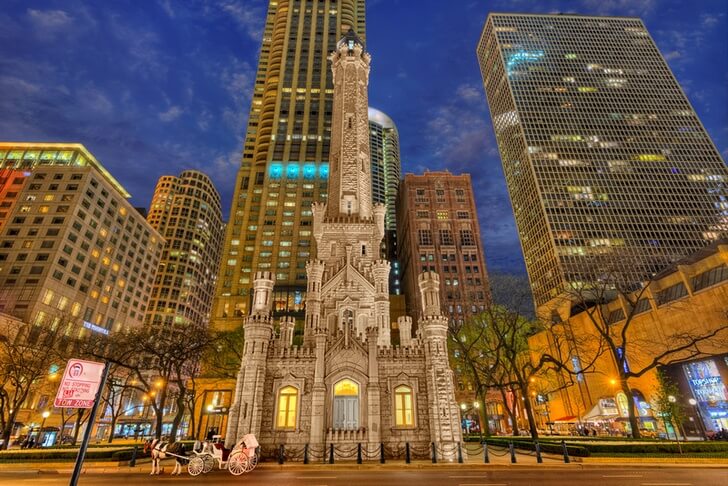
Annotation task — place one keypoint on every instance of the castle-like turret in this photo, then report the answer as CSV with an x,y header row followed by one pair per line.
x,y
246,411
404,323
444,412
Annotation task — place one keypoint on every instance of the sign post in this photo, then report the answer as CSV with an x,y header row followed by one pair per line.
x,y
81,387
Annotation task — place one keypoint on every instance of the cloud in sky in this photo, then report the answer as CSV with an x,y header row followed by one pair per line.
x,y
171,114
156,87
49,19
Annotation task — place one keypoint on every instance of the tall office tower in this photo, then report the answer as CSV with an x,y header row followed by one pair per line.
x,y
73,251
284,166
386,171
608,167
439,232
186,211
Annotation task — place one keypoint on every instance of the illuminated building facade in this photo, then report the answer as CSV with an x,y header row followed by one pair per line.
x,y
73,251
186,212
386,172
607,164
688,296
347,385
439,232
284,166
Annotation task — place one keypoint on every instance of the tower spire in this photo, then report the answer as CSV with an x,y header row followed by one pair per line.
x,y
349,156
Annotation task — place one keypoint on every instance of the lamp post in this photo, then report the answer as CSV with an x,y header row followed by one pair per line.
x,y
476,404
701,425
672,401
45,415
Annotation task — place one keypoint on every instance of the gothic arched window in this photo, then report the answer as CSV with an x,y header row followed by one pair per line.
x,y
404,415
287,407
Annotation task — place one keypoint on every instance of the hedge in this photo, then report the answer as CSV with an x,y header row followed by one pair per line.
x,y
94,454
584,448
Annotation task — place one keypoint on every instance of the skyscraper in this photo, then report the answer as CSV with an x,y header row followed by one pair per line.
x,y
284,166
607,164
439,232
186,211
386,171
73,251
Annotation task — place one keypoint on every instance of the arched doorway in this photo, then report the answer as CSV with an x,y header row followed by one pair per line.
x,y
346,405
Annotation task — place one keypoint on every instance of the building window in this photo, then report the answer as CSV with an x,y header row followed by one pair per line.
x,y
446,237
425,237
287,403
711,277
671,293
404,415
466,238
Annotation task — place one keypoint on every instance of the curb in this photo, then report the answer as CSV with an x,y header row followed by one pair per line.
x,y
383,467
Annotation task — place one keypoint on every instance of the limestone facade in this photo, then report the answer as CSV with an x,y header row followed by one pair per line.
x,y
347,383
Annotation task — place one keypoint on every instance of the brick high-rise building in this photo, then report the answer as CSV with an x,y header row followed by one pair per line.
x,y
608,167
439,232
284,165
73,251
386,173
186,211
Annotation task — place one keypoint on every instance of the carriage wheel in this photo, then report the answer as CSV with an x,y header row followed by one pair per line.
x,y
252,462
196,466
209,463
237,463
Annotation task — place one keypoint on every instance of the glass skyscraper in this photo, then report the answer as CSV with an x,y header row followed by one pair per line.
x,y
386,173
607,164
284,166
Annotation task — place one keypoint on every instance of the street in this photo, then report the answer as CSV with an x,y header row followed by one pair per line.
x,y
433,476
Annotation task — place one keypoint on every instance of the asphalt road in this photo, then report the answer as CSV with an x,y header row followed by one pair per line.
x,y
462,476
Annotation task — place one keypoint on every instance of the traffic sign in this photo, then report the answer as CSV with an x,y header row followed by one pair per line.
x,y
80,382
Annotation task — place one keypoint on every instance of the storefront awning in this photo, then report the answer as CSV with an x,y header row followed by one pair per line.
x,y
568,419
600,412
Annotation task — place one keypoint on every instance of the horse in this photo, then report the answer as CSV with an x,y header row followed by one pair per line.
x,y
160,450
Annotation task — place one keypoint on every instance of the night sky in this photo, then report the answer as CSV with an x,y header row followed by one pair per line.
x,y
152,88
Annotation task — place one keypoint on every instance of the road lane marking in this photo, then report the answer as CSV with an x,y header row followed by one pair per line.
x,y
483,484
667,484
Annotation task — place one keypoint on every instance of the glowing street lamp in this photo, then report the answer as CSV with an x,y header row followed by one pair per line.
x,y
45,415
701,425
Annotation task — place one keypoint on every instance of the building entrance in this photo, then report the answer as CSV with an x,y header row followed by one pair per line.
x,y
346,405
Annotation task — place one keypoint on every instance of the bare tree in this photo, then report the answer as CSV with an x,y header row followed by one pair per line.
x,y
26,355
161,362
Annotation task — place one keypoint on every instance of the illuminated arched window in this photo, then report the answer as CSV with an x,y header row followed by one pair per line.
x,y
403,410
287,402
346,387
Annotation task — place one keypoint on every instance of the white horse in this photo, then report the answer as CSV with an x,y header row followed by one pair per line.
x,y
160,450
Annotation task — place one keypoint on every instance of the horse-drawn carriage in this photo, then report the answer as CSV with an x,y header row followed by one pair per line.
x,y
205,455
242,458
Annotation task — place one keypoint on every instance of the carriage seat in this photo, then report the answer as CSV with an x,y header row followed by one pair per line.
x,y
225,452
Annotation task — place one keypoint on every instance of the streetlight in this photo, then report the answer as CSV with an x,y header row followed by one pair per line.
x,y
672,400
701,425
45,415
